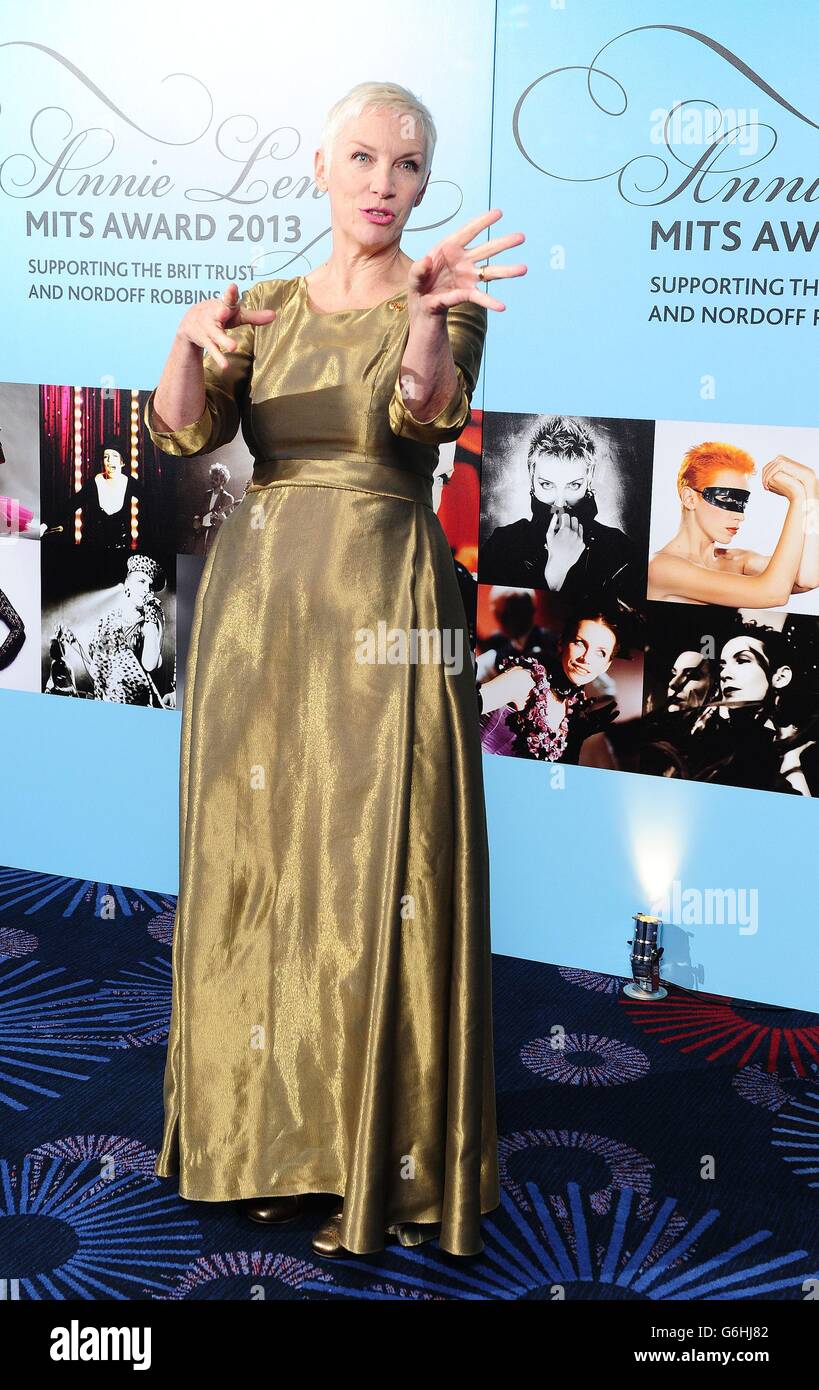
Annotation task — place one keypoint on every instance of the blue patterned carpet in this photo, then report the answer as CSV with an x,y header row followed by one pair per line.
x,y
663,1152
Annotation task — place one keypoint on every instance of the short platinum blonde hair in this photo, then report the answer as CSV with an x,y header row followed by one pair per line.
x,y
377,95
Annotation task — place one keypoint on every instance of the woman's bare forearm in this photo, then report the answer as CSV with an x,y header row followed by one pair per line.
x,y
784,563
427,373
180,395
808,575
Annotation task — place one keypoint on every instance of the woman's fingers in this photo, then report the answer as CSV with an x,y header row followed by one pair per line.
x,y
504,272
232,295
477,224
257,316
232,300
217,335
470,230
213,351
212,333
447,299
491,248
488,300
456,262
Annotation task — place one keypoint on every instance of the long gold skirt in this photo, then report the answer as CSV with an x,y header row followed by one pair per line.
x,y
331,1025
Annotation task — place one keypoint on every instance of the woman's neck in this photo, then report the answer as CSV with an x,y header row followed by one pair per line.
x,y
360,275
561,686
691,542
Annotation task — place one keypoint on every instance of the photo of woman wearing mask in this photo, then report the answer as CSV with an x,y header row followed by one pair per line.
x,y
700,564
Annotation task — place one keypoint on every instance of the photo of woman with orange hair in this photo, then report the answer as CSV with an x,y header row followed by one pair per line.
x,y
701,564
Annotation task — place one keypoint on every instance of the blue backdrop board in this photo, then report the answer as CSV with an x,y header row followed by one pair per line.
x,y
662,162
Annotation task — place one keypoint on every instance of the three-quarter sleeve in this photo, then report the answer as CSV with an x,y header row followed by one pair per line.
x,y
224,393
466,326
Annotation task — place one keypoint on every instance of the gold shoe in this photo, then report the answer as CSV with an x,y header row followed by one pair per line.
x,y
326,1241
273,1211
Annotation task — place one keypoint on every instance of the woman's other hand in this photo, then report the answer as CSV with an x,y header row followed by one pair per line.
x,y
565,543
446,275
205,324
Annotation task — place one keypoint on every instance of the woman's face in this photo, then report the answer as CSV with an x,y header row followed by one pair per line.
x,y
378,161
137,585
689,682
589,653
111,461
718,524
742,671
559,480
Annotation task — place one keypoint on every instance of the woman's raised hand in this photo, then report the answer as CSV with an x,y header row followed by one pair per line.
x,y
205,324
801,471
447,274
565,543
783,475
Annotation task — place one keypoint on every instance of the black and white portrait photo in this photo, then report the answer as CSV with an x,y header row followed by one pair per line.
x,y
731,698
565,506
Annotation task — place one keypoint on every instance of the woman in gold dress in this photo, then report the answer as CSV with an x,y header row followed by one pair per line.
x,y
331,1026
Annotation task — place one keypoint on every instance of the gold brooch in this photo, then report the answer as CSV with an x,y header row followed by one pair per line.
x,y
396,304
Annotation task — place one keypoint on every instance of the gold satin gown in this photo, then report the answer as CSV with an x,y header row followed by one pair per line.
x,y
331,1025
